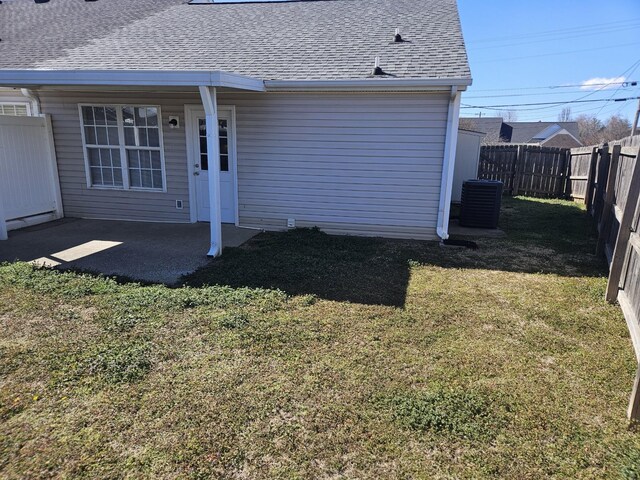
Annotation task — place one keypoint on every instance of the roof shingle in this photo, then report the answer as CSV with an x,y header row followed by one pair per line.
x,y
304,40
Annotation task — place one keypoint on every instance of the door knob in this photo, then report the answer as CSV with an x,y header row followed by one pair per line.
x,y
196,173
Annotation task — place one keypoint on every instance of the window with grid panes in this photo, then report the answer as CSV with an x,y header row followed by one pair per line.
x,y
123,146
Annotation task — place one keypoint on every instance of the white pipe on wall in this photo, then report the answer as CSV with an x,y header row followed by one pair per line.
x,y
448,164
210,103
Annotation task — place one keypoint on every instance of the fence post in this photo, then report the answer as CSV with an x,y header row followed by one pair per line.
x,y
622,242
517,170
590,184
607,205
633,412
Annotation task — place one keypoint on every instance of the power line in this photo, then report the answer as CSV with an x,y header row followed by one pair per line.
x,y
564,36
556,31
635,67
557,53
493,107
550,87
507,95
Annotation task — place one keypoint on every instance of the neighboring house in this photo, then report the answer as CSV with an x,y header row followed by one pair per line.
x,y
263,115
548,134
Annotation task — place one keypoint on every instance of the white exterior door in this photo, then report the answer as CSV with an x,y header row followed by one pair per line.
x,y
227,165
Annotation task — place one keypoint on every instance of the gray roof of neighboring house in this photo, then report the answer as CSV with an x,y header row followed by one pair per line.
x,y
523,132
516,132
298,40
488,125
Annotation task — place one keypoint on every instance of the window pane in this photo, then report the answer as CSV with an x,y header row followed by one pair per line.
x,y
204,162
157,178
102,136
145,159
155,160
142,134
134,158
129,136
117,173
152,117
113,136
90,135
127,116
140,116
112,118
94,157
115,158
134,178
96,176
107,176
203,145
224,163
224,146
99,115
154,137
146,178
87,115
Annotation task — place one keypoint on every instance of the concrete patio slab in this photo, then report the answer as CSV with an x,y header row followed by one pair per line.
x,y
150,252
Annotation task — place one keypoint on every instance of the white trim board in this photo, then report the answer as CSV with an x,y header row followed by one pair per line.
x,y
198,78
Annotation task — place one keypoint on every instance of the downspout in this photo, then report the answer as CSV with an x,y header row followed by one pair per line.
x,y
209,101
448,164
35,101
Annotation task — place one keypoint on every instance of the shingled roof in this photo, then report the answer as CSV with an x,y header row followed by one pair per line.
x,y
297,40
524,132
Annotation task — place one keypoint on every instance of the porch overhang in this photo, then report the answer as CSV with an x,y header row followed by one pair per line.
x,y
152,78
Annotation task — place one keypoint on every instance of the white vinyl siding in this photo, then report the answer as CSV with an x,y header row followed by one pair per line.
x,y
349,163
134,204
362,164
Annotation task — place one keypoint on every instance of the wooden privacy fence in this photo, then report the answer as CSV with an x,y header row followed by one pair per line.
x,y
608,180
528,170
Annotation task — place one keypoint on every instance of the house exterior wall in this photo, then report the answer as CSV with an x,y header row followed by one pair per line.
x,y
81,201
360,163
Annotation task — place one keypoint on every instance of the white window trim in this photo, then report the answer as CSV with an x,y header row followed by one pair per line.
x,y
26,104
124,162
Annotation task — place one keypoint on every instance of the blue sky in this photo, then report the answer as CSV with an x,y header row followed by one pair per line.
x,y
602,36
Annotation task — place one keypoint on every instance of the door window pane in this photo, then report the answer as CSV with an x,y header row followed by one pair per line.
x,y
224,144
202,133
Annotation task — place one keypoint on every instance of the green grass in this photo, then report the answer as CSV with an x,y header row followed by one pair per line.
x,y
302,355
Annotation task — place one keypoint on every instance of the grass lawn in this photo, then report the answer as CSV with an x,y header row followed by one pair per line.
x,y
320,357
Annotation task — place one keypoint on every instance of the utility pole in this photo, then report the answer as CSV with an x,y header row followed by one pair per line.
x,y
634,127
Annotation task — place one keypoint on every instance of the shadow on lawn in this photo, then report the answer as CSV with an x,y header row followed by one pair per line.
x,y
542,236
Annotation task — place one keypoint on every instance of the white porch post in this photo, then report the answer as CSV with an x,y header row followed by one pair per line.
x,y
208,95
